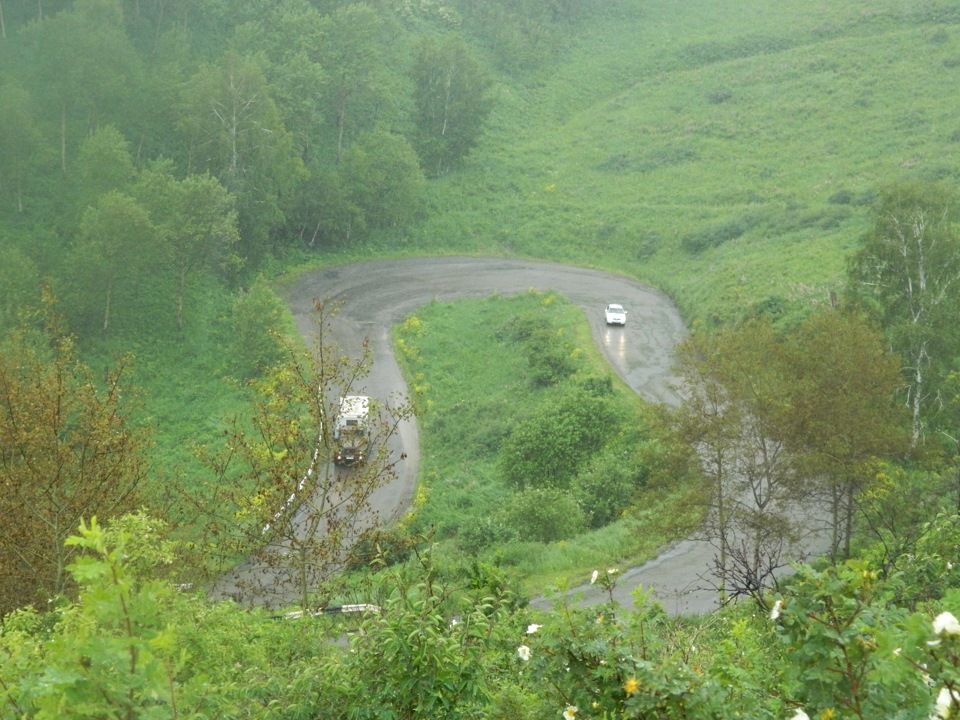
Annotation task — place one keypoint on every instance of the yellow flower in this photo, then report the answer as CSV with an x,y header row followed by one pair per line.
x,y
631,686
828,714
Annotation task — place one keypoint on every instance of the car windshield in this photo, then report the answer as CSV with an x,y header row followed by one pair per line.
x,y
615,309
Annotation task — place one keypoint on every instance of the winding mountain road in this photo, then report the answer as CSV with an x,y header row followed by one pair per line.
x,y
375,296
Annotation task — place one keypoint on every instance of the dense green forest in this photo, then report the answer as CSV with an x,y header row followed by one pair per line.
x,y
787,173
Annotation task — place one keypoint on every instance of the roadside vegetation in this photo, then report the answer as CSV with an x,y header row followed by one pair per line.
x,y
787,174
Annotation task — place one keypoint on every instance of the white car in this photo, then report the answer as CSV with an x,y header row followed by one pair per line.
x,y
615,315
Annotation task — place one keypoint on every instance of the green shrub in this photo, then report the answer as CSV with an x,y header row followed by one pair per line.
x,y
841,197
609,485
596,385
258,319
483,531
543,515
713,236
720,95
543,343
549,358
548,449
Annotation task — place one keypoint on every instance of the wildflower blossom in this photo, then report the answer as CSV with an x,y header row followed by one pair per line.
x,y
613,571
800,715
946,700
946,623
532,628
631,686
593,578
524,652
775,612
570,713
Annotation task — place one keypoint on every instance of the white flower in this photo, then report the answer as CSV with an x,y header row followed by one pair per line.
x,y
800,715
945,701
593,578
946,623
613,571
524,652
570,713
532,628
775,612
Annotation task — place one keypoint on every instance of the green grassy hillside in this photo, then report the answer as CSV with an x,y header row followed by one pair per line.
x,y
725,152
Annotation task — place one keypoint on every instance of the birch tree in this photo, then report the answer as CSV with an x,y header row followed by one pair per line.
x,y
907,271
453,101
237,135
196,223
21,146
361,68
83,67
103,164
116,244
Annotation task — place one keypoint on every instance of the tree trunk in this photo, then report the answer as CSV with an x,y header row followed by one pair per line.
x,y
341,120
63,137
723,522
106,312
916,404
835,519
181,283
848,530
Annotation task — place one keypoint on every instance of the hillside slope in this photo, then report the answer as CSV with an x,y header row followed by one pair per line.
x,y
727,152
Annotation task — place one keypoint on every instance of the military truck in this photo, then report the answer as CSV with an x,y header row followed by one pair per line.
x,y
351,433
